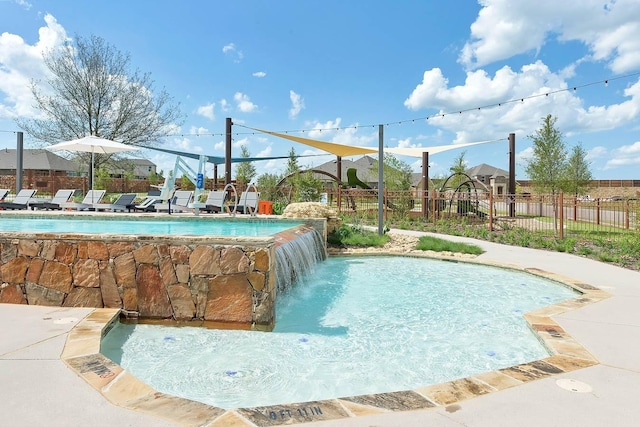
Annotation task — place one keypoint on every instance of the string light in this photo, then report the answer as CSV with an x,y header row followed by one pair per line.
x,y
413,120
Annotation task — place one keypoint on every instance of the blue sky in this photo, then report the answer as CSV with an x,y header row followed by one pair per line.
x,y
337,69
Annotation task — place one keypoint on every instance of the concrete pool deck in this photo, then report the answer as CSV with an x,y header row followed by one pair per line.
x,y
39,389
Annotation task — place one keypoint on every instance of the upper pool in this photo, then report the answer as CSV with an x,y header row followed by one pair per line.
x,y
197,226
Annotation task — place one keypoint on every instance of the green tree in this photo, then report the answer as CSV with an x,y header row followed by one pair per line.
x,y
547,166
458,168
93,91
397,174
306,187
268,185
292,163
577,173
245,171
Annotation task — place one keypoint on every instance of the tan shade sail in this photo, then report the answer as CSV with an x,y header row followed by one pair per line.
x,y
349,150
330,147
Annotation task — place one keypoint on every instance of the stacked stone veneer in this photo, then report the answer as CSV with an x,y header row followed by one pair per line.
x,y
222,279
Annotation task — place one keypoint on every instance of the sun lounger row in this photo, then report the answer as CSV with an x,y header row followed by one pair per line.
x,y
182,201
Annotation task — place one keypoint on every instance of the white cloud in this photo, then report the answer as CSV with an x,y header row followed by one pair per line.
x,y
524,156
626,155
322,129
527,90
504,28
198,130
224,106
207,111
24,4
232,51
20,63
596,152
243,103
237,143
297,104
259,74
266,152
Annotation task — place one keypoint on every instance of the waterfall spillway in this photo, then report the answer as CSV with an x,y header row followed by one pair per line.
x,y
296,254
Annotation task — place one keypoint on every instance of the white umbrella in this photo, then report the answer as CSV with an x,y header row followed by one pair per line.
x,y
93,144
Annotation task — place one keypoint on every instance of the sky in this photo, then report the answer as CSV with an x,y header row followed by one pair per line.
x,y
433,73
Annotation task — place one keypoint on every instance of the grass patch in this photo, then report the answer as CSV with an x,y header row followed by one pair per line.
x,y
428,243
348,235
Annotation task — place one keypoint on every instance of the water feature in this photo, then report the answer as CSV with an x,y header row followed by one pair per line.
x,y
298,256
355,326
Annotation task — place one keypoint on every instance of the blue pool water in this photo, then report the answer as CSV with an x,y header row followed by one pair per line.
x,y
353,326
132,225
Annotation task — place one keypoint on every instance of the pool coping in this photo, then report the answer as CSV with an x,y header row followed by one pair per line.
x,y
82,354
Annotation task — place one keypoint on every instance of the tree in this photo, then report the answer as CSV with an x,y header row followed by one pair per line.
x,y
577,174
245,171
397,174
292,163
93,91
458,167
547,167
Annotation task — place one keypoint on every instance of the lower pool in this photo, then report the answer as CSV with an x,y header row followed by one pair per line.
x,y
355,325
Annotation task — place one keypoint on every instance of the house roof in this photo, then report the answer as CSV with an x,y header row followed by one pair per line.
x,y
486,170
35,160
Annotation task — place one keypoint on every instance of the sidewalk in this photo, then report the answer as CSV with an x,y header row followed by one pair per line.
x,y
38,389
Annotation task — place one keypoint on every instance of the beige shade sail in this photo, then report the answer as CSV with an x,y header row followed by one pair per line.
x,y
349,150
330,147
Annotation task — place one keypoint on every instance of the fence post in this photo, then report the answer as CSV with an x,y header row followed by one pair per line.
x,y
598,211
575,209
433,205
490,209
339,199
561,219
626,214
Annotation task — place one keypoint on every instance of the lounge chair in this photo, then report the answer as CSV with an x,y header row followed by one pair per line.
x,y
248,202
147,205
179,203
214,203
21,201
3,194
92,197
122,203
61,196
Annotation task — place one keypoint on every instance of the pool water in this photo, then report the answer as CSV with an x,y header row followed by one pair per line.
x,y
357,325
133,225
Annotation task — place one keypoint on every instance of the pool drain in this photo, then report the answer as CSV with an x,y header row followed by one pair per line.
x,y
574,385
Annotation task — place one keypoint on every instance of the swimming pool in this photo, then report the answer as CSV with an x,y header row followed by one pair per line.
x,y
136,225
353,327
188,269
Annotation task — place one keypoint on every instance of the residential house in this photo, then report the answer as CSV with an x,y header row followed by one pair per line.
x,y
490,177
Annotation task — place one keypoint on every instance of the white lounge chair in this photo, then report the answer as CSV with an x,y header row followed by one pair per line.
x,y
61,196
3,193
122,203
21,201
248,202
92,197
214,203
147,204
179,202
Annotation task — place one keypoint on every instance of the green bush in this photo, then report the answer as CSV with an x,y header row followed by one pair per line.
x,y
349,235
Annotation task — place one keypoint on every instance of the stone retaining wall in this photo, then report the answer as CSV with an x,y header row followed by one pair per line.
x,y
196,278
